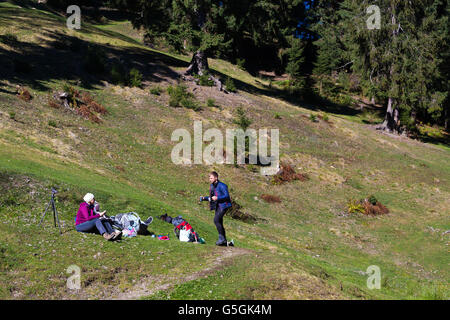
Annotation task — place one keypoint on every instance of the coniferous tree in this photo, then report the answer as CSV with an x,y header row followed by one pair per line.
x,y
232,29
296,60
445,68
401,61
330,49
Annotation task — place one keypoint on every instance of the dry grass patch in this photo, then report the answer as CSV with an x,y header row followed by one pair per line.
x,y
367,206
288,174
23,94
270,198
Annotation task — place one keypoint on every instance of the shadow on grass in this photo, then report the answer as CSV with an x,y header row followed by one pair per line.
x,y
312,102
444,140
22,3
66,58
63,58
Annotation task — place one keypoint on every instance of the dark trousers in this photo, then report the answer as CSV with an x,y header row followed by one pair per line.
x,y
218,221
94,225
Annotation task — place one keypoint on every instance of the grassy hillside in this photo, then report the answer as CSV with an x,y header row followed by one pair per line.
x,y
305,247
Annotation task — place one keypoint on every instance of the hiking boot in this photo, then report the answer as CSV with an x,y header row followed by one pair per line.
x,y
163,217
148,221
222,243
108,236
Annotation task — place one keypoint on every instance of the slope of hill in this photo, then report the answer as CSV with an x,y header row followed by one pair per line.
x,y
304,247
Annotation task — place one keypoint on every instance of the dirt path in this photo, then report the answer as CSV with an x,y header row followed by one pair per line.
x,y
147,286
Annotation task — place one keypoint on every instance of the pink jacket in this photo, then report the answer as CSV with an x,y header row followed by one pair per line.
x,y
85,213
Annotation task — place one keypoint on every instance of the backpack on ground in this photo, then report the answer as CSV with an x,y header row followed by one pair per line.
x,y
129,223
185,233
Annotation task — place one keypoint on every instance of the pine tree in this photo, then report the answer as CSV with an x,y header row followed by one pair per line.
x,y
331,52
296,61
445,68
401,61
231,29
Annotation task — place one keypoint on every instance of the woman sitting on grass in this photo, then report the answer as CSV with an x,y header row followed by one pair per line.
x,y
88,221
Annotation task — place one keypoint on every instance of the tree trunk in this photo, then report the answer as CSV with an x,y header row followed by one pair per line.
x,y
198,65
446,116
391,120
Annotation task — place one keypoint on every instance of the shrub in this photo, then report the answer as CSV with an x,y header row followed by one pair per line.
x,y
103,20
313,117
24,94
229,85
345,100
176,94
204,80
287,174
73,95
180,97
190,103
368,206
156,90
240,63
52,123
326,118
374,209
277,116
12,115
95,60
372,200
354,206
242,121
135,78
87,99
211,102
67,87
88,114
53,103
82,103
118,75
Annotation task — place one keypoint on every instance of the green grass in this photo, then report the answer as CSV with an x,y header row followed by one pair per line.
x,y
303,249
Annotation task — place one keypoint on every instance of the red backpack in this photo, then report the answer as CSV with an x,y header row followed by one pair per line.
x,y
193,236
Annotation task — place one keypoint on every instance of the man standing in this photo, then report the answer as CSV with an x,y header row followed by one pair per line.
x,y
220,201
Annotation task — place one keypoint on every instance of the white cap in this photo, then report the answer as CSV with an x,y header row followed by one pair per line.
x,y
88,197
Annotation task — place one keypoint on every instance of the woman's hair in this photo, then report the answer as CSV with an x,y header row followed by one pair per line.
x,y
88,197
215,174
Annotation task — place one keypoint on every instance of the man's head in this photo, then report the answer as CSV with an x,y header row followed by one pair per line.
x,y
213,177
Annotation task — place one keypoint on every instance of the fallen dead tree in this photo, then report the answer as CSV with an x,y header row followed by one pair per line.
x,y
82,104
236,213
